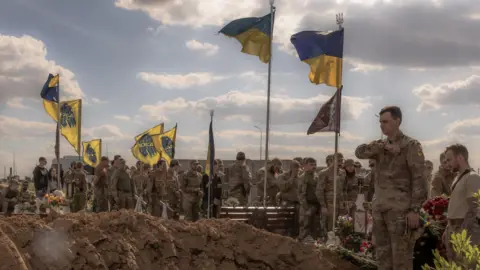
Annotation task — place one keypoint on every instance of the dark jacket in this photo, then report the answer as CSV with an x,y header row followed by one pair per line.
x,y
40,178
216,188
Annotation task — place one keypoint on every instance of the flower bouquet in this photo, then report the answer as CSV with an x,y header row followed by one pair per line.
x,y
434,215
344,226
366,248
54,201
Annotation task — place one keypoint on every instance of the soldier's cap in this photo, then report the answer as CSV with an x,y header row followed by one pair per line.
x,y
240,156
357,164
349,162
25,183
174,162
194,162
116,157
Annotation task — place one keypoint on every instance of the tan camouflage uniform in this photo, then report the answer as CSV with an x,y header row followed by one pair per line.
x,y
350,188
79,198
399,189
9,197
288,184
157,189
240,179
192,192
100,183
325,193
174,195
122,188
309,205
272,187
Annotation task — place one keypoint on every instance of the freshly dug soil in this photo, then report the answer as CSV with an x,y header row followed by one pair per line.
x,y
128,240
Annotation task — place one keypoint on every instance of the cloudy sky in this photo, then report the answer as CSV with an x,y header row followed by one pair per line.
x,y
137,63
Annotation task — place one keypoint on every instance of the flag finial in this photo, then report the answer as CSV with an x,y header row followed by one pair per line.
x,y
340,20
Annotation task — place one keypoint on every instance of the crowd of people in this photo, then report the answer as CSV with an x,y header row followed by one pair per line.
x,y
398,182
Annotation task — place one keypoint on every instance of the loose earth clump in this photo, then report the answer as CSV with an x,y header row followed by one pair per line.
x,y
128,240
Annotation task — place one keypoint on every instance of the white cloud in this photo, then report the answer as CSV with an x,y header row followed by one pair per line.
x,y
234,134
208,48
16,103
467,127
359,66
11,127
24,67
179,81
287,110
105,132
376,33
461,92
98,101
122,117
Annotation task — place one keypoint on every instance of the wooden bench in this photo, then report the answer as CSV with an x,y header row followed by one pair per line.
x,y
282,220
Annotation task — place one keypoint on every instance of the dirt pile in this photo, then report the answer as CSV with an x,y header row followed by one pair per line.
x,y
127,240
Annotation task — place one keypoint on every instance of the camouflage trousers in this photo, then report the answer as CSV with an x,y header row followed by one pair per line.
x,y
191,206
307,215
79,201
238,194
124,200
100,200
328,219
394,245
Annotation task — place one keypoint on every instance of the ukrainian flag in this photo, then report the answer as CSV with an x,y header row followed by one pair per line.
x,y
211,151
323,52
92,152
144,149
70,119
165,144
253,33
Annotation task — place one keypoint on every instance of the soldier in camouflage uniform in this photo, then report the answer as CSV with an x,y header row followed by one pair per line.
x,y
26,196
100,183
79,198
122,187
288,184
300,161
192,192
273,171
141,179
325,192
157,188
240,179
110,187
442,179
9,197
174,194
309,205
350,187
399,191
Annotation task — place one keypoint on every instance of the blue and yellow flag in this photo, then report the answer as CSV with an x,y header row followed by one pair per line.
x,y
70,119
144,149
50,90
253,33
92,152
165,144
323,52
211,151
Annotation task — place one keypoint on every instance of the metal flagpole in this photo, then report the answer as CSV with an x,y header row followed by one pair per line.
x,y
210,177
337,133
267,129
59,125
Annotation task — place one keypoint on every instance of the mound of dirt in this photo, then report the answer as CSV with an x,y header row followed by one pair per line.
x,y
127,240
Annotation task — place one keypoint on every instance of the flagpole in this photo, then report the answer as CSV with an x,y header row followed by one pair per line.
x,y
57,135
210,177
79,135
337,134
267,129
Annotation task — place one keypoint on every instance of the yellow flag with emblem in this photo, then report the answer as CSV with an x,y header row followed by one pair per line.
x,y
70,119
92,152
144,150
165,144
